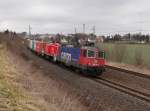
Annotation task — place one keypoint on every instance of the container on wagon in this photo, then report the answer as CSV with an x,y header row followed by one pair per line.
x,y
52,50
40,46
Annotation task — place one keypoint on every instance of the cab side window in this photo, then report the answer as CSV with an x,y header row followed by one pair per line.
x,y
84,53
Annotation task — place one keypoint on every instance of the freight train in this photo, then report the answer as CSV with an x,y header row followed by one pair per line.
x,y
88,60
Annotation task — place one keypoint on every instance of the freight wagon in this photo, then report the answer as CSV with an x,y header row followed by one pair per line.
x,y
31,44
52,50
40,47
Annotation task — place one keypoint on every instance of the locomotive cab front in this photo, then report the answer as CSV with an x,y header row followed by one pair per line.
x,y
92,60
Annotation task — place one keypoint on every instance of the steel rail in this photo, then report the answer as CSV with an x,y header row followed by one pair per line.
x,y
128,71
124,89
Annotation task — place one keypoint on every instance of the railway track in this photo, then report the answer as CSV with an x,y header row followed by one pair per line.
x,y
128,71
123,88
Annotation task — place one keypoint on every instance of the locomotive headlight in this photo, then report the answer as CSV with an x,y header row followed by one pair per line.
x,y
95,61
88,63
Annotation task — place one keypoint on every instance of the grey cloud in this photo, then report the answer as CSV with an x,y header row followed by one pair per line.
x,y
52,16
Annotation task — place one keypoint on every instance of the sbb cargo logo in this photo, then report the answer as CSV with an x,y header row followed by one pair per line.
x,y
66,57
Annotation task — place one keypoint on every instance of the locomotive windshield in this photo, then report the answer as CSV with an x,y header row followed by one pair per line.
x,y
91,53
101,54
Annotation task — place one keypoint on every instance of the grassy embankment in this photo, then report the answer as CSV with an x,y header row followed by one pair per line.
x,y
11,98
135,54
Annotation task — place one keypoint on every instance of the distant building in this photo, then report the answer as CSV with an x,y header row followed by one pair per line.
x,y
99,39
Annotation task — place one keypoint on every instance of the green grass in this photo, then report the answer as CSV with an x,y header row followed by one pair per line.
x,y
130,53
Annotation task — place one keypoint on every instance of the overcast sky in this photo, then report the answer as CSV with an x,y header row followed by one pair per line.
x,y
56,16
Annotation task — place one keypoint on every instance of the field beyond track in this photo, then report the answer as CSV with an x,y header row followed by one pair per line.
x,y
134,54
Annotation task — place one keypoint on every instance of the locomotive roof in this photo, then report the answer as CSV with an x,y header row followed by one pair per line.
x,y
82,47
89,48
